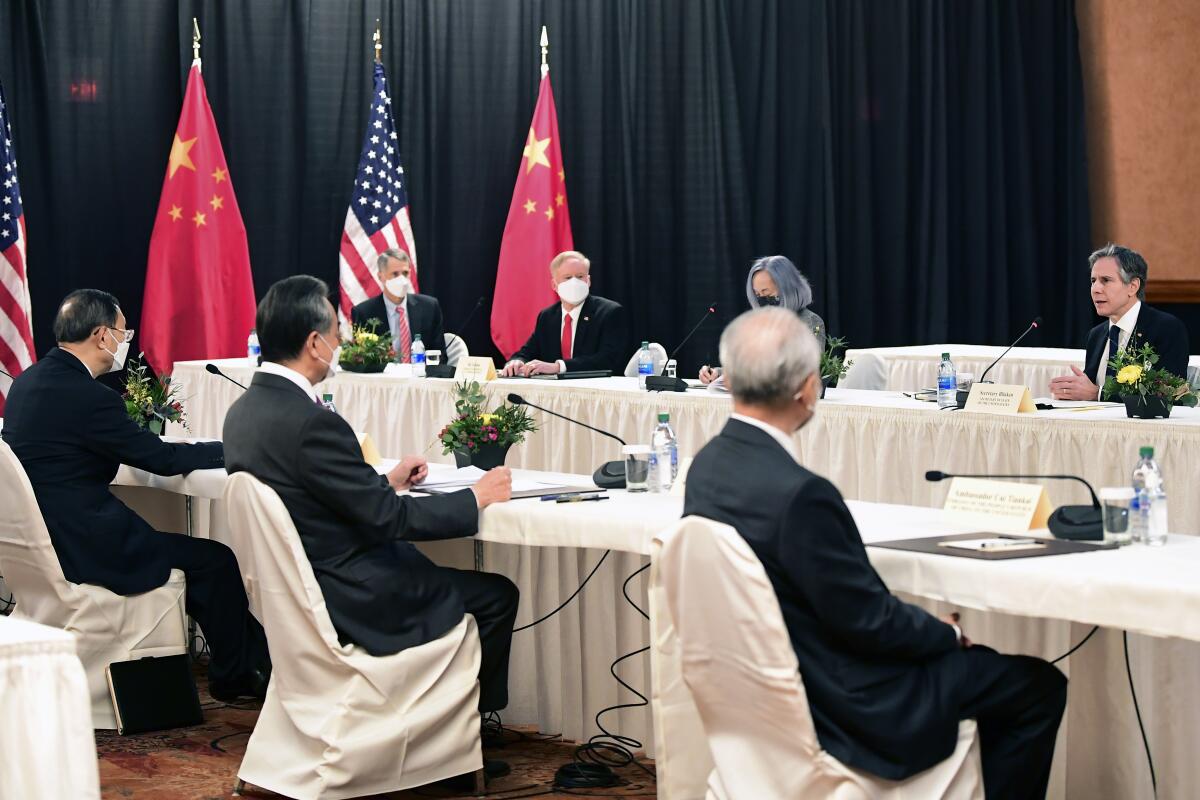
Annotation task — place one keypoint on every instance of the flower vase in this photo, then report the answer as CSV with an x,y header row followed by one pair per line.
x,y
1138,407
488,456
365,369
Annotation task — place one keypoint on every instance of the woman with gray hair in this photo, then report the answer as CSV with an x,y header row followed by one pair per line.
x,y
775,281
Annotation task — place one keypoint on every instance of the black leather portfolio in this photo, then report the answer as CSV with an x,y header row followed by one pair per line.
x,y
153,694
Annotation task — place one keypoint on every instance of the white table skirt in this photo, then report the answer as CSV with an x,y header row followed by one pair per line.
x,y
906,369
49,749
1038,606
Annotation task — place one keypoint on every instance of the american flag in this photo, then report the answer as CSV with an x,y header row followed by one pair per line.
x,y
16,334
378,215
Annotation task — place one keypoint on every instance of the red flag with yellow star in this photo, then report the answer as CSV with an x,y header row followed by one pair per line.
x,y
538,229
199,299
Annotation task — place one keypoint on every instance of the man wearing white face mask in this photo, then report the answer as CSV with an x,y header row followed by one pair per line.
x,y
70,432
582,331
887,682
400,310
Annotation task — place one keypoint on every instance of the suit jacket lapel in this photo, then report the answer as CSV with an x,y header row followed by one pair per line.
x,y
583,332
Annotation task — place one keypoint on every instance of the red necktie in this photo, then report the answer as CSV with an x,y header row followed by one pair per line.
x,y
566,337
404,336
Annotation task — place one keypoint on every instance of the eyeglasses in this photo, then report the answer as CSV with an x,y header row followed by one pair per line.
x,y
128,334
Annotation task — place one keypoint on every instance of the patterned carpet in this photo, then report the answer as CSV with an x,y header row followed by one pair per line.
x,y
200,763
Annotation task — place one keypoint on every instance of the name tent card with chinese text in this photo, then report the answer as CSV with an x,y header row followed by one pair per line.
x,y
1000,398
475,368
998,506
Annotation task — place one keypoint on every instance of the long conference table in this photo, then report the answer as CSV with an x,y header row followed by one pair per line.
x,y
1146,591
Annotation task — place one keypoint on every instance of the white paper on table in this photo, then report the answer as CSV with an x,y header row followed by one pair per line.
x,y
458,479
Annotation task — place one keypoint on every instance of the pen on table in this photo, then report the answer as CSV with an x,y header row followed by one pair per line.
x,y
576,498
547,497
1007,543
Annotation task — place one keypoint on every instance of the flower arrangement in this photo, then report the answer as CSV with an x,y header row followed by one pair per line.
x,y
1136,376
833,366
151,401
472,428
366,350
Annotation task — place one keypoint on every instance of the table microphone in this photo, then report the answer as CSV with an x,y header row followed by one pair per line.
x,y
470,315
212,369
1067,522
6,374
611,474
662,383
1037,322
444,370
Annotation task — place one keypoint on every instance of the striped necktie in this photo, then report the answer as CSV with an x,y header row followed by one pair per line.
x,y
403,335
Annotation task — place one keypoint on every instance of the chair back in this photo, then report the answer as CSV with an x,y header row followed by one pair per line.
x,y
456,349
660,359
868,371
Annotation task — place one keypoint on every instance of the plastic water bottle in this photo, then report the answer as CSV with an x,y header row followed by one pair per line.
x,y
664,455
418,357
947,383
1148,510
327,401
645,364
253,351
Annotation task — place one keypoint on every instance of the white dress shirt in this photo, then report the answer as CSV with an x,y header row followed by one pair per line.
x,y
1127,323
785,441
271,368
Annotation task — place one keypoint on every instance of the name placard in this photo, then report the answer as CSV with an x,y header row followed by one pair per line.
x,y
997,506
475,368
1000,398
370,452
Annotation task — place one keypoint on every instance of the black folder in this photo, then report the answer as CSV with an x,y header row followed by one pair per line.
x,y
153,694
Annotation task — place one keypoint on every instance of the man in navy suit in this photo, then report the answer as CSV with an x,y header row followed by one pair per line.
x,y
580,332
71,433
887,682
400,310
1118,289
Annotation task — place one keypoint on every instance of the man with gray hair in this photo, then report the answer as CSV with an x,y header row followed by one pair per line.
x,y
887,682
400,310
1118,278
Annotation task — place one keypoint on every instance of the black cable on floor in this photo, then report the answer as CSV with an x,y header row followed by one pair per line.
x,y
1138,711
1082,642
569,599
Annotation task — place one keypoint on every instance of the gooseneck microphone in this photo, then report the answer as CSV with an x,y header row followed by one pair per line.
x,y
1035,324
211,368
1067,522
6,374
662,383
470,316
611,474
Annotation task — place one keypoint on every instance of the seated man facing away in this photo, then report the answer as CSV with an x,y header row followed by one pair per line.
x,y
1118,281
887,682
71,433
581,332
401,312
381,592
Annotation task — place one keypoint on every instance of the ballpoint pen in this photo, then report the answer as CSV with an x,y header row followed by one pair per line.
x,y
576,498
548,497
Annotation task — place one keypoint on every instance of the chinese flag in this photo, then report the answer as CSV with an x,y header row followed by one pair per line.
x,y
538,229
199,300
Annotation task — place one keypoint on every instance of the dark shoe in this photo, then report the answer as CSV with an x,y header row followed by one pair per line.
x,y
253,685
492,768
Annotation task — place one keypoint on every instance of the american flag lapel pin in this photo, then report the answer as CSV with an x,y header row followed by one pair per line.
x,y
587,319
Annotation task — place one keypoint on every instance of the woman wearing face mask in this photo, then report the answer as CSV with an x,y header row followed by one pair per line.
x,y
775,281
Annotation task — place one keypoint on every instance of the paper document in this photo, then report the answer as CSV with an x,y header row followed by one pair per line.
x,y
465,478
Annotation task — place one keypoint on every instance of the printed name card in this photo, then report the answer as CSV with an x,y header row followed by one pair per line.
x,y
997,506
1000,398
370,452
475,368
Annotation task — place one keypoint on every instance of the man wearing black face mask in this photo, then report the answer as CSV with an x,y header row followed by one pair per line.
x,y
71,433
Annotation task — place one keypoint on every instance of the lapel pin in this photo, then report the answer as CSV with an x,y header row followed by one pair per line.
x,y
587,319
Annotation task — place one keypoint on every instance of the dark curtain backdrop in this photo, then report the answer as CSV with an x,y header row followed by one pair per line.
x,y
922,162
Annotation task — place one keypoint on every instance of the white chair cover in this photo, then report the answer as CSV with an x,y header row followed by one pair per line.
x,y
868,371
660,359
1193,377
738,663
456,349
338,722
108,627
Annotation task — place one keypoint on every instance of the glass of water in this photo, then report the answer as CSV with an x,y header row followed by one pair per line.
x,y
1114,509
637,467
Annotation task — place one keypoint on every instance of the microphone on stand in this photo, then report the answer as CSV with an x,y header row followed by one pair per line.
x,y
211,368
1067,522
1037,322
6,374
470,314
664,383
444,370
611,474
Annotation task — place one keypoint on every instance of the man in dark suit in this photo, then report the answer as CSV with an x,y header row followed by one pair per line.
x,y
71,433
381,592
887,682
400,310
1118,289
580,332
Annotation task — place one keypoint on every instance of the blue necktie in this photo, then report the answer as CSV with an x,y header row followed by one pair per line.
x,y
1114,342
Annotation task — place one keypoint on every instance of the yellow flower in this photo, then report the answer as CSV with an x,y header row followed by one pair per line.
x,y
1130,374
366,337
487,418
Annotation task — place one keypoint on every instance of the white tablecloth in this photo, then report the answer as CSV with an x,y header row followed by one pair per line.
x,y
910,368
1038,606
48,748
